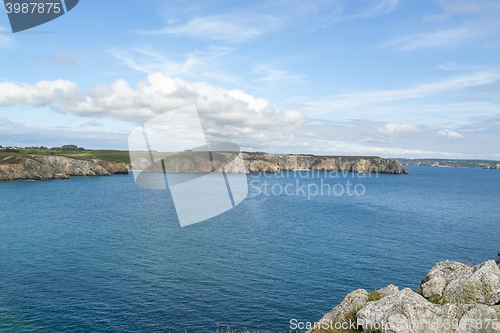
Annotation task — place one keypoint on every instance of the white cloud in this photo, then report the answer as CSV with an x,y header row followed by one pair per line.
x,y
454,66
233,115
227,28
145,60
346,101
436,39
463,7
273,74
224,113
449,134
92,123
399,130
5,41
380,8
476,21
43,92
5,121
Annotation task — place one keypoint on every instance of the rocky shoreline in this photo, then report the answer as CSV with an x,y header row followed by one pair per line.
x,y
262,162
453,297
42,167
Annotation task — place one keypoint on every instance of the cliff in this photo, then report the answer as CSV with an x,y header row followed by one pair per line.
x,y
453,297
201,162
261,162
40,167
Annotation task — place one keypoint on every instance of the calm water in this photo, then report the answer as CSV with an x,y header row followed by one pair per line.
x,y
102,255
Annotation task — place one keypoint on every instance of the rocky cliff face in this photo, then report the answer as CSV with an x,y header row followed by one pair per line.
x,y
39,167
260,162
201,162
453,297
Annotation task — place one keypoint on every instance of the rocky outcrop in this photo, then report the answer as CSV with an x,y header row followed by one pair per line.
x,y
351,304
479,284
113,168
261,162
40,167
453,297
459,283
407,311
434,283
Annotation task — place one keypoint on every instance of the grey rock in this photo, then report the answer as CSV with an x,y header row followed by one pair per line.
x,y
480,284
262,162
434,283
389,290
397,312
39,167
351,303
407,311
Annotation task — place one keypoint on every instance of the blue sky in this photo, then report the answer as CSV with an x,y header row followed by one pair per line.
x,y
394,78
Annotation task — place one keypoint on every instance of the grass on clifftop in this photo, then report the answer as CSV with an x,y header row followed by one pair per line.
x,y
350,318
118,156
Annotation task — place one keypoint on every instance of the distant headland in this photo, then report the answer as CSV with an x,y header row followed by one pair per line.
x,y
39,163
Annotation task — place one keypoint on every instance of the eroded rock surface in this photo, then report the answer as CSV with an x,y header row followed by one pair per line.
x,y
454,298
479,284
39,167
440,276
407,311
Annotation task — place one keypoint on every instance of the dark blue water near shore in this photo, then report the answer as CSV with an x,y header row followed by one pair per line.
x,y
101,255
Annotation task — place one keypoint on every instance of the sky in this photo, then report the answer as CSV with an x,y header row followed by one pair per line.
x,y
391,78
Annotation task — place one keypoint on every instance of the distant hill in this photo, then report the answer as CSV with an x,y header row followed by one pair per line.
x,y
482,164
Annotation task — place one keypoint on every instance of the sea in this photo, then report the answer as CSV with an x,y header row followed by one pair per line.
x,y
100,254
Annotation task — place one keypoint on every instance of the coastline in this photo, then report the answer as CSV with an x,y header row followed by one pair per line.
x,y
42,167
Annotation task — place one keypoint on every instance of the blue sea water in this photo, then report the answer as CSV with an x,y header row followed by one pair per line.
x,y
102,255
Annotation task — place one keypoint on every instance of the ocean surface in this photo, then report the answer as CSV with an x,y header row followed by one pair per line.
x,y
103,255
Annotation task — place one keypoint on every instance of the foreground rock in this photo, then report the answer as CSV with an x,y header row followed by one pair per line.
x,y
434,283
453,297
407,311
40,167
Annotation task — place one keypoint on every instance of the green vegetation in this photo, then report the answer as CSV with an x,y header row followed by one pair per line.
x,y
12,155
350,318
436,300
374,296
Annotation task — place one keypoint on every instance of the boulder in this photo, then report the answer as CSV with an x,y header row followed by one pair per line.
x,y
480,284
434,283
351,303
409,312
389,290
